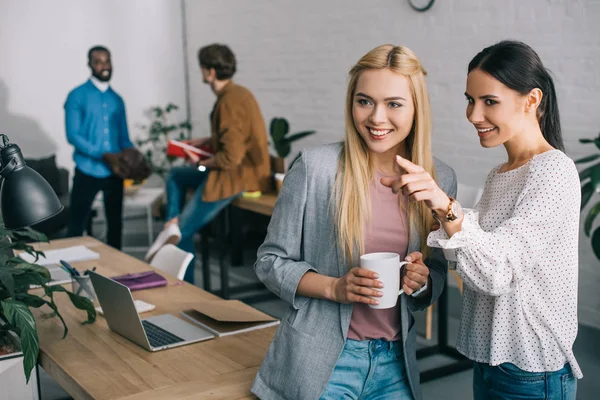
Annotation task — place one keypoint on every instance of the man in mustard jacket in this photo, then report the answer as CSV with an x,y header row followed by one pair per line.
x,y
240,162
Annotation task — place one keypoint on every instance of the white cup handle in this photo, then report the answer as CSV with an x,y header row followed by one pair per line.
x,y
402,264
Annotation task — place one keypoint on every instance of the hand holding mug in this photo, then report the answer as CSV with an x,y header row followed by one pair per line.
x,y
415,274
359,285
388,267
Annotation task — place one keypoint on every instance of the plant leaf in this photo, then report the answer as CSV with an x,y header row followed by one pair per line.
x,y
279,128
170,107
583,175
30,300
31,234
298,135
589,220
595,177
282,149
587,159
596,243
6,277
586,141
79,302
19,316
53,306
43,271
587,191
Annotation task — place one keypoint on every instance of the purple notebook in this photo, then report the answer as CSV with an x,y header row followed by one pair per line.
x,y
141,280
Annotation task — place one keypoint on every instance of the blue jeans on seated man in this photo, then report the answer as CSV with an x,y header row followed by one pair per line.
x,y
196,213
369,370
507,381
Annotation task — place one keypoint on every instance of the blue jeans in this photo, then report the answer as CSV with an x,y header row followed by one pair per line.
x,y
507,381
196,213
369,369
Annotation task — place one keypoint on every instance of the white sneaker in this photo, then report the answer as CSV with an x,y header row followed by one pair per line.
x,y
170,235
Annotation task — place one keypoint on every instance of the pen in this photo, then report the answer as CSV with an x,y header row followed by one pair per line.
x,y
72,270
67,270
87,271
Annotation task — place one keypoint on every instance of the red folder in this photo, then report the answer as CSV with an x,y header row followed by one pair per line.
x,y
175,149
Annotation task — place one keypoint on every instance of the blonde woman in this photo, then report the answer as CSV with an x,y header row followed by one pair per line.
x,y
332,208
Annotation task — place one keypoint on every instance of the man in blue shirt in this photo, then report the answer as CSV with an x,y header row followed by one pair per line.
x,y
97,128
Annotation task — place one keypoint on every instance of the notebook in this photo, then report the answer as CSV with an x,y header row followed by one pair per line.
x,y
141,280
68,254
228,317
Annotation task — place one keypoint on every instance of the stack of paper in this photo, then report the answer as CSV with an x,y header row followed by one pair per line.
x,y
68,254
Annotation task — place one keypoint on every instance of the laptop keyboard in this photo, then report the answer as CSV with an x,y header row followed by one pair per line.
x,y
158,336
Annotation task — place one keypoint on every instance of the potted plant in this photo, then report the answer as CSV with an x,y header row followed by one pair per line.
x,y
18,333
159,131
590,184
282,143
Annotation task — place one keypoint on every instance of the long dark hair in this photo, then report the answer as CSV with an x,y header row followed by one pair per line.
x,y
518,66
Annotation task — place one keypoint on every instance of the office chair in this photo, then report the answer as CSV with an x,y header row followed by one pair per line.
x,y
172,260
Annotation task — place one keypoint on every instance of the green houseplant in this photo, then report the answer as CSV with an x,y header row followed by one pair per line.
x,y
590,184
16,276
282,142
158,132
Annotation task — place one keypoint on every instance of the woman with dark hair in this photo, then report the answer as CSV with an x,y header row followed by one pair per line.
x,y
517,249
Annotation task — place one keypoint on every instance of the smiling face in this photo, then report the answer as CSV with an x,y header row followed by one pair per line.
x,y
383,110
101,65
497,112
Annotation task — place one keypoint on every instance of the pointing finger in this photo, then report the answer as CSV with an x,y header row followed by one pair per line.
x,y
408,166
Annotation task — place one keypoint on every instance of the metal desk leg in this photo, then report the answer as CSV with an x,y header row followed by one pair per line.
x,y
149,220
205,251
223,244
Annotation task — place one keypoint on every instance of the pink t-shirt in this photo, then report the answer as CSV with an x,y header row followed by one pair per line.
x,y
388,232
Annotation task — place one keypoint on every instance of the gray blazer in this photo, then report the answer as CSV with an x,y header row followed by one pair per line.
x,y
301,237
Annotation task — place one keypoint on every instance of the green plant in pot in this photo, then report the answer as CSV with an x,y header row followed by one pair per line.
x,y
158,132
282,142
16,276
590,184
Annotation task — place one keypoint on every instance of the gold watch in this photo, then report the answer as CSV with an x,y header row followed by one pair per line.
x,y
454,212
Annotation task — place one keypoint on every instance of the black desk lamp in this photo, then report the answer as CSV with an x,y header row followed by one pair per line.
x,y
26,198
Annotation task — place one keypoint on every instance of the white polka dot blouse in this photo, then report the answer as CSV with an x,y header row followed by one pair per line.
x,y
517,254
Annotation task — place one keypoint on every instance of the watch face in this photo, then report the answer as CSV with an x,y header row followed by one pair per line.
x,y
457,209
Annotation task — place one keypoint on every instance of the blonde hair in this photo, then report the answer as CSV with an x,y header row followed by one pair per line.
x,y
355,171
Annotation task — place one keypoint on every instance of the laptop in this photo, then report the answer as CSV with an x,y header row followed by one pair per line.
x,y
154,333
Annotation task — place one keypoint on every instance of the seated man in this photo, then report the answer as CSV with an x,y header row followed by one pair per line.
x,y
240,161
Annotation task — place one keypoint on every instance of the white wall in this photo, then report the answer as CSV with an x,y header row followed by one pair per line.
x,y
295,55
43,55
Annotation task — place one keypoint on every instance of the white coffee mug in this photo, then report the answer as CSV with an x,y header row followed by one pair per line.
x,y
388,266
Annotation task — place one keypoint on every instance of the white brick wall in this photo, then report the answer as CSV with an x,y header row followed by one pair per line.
x,y
295,55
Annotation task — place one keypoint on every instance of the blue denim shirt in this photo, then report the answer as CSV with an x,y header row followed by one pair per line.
x,y
95,122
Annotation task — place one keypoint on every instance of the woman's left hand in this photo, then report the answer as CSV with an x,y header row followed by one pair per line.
x,y
417,185
415,274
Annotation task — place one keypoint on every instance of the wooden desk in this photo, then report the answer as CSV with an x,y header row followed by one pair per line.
x,y
262,205
93,362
